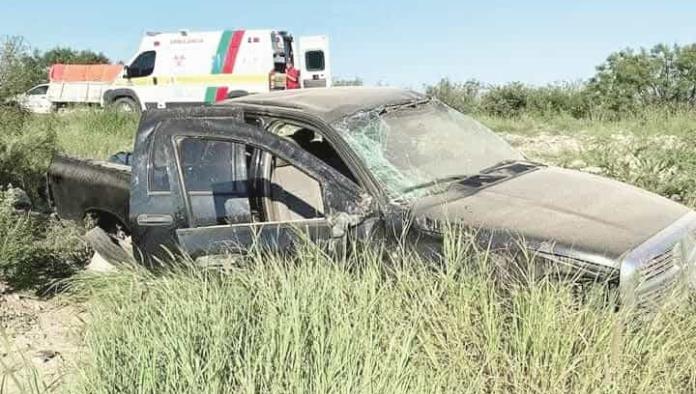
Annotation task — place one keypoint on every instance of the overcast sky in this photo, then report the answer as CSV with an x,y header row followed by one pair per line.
x,y
407,43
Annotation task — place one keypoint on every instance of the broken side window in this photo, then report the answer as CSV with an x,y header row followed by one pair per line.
x,y
224,187
314,143
158,178
216,180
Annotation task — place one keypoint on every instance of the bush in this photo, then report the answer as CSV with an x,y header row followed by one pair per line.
x,y
36,251
464,97
26,147
662,164
506,100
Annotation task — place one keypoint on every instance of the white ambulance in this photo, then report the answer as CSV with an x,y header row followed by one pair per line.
x,y
185,68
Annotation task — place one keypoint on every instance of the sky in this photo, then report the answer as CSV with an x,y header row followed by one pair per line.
x,y
403,43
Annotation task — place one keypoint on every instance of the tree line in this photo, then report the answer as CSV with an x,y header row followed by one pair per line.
x,y
627,83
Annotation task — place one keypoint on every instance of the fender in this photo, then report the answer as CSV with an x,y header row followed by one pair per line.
x,y
112,94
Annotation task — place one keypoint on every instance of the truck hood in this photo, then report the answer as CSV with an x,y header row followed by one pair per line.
x,y
575,210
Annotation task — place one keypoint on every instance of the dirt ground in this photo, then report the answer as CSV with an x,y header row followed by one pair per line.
x,y
38,336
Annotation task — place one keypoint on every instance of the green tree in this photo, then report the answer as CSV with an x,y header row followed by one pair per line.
x,y
67,55
14,57
22,68
464,97
629,80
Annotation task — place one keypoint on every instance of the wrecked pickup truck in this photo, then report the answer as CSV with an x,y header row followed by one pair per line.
x,y
370,163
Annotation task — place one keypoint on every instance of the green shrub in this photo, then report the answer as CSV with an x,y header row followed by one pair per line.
x,y
36,251
95,134
508,100
464,97
26,147
665,165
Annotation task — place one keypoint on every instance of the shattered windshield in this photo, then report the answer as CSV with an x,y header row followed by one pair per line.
x,y
414,149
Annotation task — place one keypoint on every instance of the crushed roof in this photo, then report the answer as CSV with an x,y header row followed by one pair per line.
x,y
331,104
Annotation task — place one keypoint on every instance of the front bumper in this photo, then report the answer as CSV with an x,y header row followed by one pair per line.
x,y
661,265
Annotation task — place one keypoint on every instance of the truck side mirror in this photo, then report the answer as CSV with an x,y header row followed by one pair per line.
x,y
126,72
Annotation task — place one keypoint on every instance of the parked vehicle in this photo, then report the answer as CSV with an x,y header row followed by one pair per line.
x,y
369,163
34,100
187,68
73,84
184,68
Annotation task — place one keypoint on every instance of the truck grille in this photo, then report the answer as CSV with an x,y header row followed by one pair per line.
x,y
657,278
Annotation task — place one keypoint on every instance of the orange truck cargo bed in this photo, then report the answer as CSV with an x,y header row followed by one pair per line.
x,y
84,73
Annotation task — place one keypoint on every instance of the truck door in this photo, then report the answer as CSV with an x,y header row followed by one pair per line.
x,y
155,208
36,100
218,183
314,60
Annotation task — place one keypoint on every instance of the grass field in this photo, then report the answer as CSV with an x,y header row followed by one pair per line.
x,y
321,324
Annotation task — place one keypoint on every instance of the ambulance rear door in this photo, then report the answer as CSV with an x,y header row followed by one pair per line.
x,y
314,60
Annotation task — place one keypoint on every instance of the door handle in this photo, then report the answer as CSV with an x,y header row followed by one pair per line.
x,y
154,220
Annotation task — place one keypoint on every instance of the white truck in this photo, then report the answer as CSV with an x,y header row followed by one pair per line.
x,y
184,68
71,84
34,100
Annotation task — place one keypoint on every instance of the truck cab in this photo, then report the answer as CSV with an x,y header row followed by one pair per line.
x,y
35,100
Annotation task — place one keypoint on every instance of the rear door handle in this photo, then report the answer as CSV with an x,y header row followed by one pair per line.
x,y
154,220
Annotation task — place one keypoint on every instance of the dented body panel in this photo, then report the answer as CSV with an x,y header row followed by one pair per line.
x,y
81,187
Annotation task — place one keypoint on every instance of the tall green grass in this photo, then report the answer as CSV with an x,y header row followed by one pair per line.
x,y
94,134
316,323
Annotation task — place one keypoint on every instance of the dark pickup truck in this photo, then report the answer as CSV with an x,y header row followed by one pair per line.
x,y
367,163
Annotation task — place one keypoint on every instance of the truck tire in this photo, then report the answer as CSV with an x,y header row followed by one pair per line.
x,y
108,248
125,104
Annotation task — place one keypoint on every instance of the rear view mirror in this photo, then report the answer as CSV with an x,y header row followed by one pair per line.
x,y
126,72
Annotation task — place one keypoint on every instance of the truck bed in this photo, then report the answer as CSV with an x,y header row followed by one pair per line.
x,y
81,187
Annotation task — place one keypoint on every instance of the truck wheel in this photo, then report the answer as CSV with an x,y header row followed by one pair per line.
x,y
108,248
125,104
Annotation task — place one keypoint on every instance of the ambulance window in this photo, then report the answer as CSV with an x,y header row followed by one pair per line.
x,y
314,60
143,65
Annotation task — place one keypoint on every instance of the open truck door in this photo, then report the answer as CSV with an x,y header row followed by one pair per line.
x,y
209,186
315,62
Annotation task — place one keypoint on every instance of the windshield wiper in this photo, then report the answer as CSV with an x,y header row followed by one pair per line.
x,y
497,172
513,165
408,104
435,182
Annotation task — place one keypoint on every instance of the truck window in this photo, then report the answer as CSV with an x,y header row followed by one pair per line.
x,y
224,187
314,143
158,178
39,90
314,60
216,181
143,65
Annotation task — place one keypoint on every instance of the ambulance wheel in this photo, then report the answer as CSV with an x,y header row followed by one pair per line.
x,y
125,104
